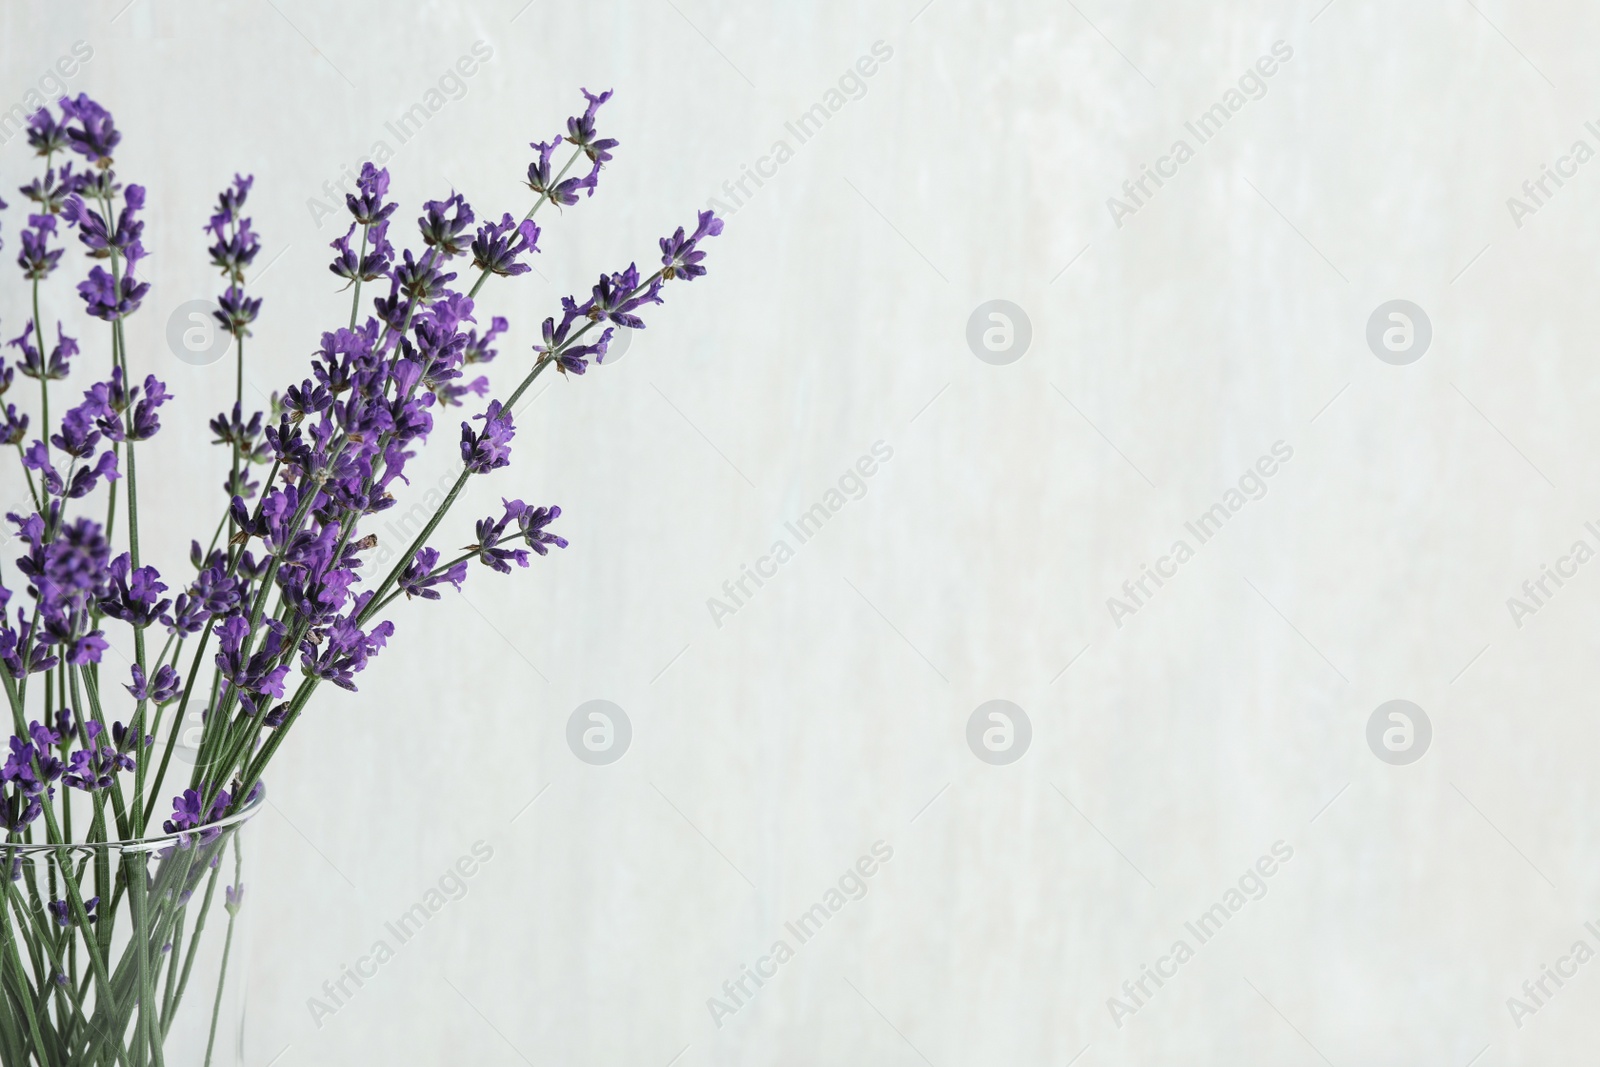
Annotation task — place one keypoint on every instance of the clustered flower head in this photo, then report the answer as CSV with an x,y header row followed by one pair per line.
x,y
681,256
189,810
547,181
367,204
49,191
518,523
236,243
37,259
444,224
94,135
581,132
53,367
497,246
46,136
235,247
110,295
366,265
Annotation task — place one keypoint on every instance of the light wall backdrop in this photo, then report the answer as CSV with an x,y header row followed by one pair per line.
x,y
1198,217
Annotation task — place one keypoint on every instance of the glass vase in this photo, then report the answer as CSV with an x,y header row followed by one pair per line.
x,y
128,953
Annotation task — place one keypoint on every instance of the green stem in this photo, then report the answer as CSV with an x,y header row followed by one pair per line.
x,y
194,945
355,297
38,503
227,948
139,658
44,378
238,411
149,1007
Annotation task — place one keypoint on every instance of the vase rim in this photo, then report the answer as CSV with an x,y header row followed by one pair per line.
x,y
145,844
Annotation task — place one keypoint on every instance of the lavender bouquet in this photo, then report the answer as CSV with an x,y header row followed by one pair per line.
x,y
103,915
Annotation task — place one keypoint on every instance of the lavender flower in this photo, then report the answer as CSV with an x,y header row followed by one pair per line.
x,y
33,365
232,429
490,449
214,591
37,259
163,689
97,765
29,770
61,910
497,246
532,522
109,402
189,811
581,132
106,298
17,809
614,298
680,258
570,357
79,482
344,651
542,176
51,189
442,228
96,233
229,203
529,523
135,595
13,425
492,532
373,185
254,675
45,134
94,135
236,311
423,574
476,349
368,267
236,244
423,282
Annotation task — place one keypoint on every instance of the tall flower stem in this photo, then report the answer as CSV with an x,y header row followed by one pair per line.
x,y
238,406
149,1007
44,377
139,657
355,297
227,949
194,945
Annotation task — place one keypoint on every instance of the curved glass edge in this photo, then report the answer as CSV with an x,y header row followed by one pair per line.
x,y
143,844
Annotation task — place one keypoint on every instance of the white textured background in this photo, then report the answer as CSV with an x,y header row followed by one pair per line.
x,y
770,752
